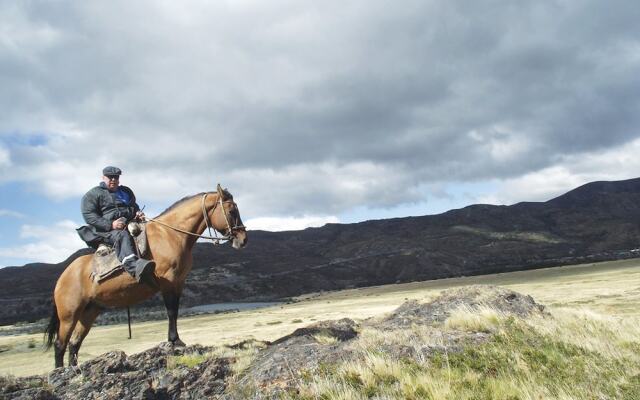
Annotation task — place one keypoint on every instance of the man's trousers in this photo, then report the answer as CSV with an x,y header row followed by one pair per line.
x,y
122,242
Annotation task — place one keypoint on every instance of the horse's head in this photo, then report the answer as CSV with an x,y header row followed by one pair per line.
x,y
226,219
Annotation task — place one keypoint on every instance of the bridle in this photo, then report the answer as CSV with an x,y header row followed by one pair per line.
x,y
229,234
215,239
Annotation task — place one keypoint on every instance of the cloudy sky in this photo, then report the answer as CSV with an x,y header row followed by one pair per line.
x,y
309,112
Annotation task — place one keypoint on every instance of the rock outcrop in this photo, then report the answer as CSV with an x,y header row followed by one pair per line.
x,y
196,372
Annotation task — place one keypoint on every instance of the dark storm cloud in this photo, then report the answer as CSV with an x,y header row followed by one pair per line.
x,y
365,100
416,91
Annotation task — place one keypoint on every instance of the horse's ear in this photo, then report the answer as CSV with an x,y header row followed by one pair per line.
x,y
220,191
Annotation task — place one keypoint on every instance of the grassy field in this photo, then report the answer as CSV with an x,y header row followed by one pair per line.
x,y
570,355
611,288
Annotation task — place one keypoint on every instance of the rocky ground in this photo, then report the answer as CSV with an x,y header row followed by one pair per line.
x,y
258,369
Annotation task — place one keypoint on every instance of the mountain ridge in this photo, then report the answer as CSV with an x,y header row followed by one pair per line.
x,y
594,222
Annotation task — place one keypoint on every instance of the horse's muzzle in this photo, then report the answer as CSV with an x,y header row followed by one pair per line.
x,y
239,240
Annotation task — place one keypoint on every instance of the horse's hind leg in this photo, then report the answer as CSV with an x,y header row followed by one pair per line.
x,y
67,324
85,321
70,301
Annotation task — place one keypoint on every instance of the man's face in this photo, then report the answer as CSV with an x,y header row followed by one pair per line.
x,y
112,182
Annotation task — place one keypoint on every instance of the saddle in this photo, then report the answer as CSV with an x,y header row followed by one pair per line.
x,y
105,262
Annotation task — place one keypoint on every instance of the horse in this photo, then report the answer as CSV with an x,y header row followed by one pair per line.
x,y
78,300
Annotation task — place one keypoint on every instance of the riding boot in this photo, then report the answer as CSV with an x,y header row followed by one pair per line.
x,y
140,269
144,271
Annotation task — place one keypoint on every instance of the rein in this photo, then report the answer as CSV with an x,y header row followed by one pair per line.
x,y
214,239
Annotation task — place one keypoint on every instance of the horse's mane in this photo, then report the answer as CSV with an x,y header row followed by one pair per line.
x,y
186,198
177,203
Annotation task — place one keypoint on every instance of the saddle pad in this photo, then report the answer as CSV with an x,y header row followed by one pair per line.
x,y
105,262
104,266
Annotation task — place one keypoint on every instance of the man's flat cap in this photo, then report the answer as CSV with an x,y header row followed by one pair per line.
x,y
106,171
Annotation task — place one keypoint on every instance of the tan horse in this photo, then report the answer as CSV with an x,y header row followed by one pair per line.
x,y
78,300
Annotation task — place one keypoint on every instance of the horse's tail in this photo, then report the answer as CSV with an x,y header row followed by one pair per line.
x,y
52,329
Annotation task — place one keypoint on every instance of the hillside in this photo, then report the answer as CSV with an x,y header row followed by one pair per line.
x,y
597,221
472,342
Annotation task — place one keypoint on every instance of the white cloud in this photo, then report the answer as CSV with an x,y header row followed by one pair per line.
x,y
618,163
274,224
316,189
10,213
502,143
5,158
536,186
51,244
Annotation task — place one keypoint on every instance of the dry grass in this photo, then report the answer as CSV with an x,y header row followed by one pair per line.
x,y
611,288
611,336
571,355
241,357
515,235
481,319
325,339
188,360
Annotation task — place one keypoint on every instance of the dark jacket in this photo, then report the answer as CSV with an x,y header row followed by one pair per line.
x,y
100,208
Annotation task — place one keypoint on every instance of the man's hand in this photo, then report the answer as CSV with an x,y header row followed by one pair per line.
x,y
140,216
118,224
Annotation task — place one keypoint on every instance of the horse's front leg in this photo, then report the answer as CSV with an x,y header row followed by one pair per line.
x,y
172,302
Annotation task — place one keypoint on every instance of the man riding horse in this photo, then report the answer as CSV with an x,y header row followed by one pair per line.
x,y
107,208
78,299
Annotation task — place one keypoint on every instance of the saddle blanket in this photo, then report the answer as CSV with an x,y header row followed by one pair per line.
x,y
105,262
